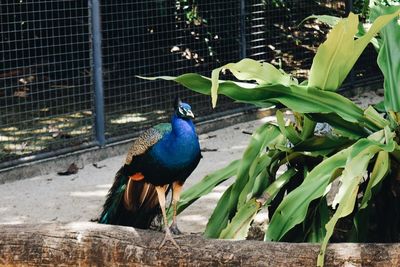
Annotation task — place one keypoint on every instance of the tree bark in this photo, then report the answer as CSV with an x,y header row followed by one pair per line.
x,y
91,244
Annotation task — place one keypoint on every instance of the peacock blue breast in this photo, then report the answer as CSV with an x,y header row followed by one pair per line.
x,y
178,148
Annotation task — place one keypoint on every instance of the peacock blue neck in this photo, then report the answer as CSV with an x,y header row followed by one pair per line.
x,y
182,126
180,146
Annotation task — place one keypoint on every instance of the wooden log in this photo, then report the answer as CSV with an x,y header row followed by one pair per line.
x,y
91,244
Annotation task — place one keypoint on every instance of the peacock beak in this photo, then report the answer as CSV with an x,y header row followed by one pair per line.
x,y
189,114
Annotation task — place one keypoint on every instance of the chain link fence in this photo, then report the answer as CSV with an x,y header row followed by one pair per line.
x,y
68,68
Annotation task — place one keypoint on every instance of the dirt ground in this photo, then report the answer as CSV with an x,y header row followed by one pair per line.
x,y
79,197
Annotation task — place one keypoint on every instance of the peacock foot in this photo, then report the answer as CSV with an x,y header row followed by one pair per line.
x,y
168,237
174,229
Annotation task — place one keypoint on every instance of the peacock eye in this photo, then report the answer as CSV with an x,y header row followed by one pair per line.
x,y
181,110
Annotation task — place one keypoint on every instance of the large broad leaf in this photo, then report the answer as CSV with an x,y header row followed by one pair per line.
x,y
389,57
257,169
293,208
346,197
229,202
342,127
240,223
288,131
299,98
332,21
337,55
220,216
381,169
327,19
247,70
238,228
351,178
323,144
260,139
317,231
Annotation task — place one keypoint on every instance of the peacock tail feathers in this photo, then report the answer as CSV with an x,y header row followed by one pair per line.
x,y
114,197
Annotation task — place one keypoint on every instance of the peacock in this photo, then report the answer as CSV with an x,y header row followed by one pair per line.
x,y
160,159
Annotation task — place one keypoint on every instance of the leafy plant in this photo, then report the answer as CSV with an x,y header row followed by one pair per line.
x,y
309,181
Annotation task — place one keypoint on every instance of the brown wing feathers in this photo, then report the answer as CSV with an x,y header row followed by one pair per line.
x,y
137,204
147,139
139,194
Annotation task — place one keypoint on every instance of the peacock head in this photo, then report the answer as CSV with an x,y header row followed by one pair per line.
x,y
183,110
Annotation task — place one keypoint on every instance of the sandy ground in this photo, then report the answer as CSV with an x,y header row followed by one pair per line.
x,y
79,197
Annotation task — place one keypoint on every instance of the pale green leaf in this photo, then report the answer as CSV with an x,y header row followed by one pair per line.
x,y
299,98
228,203
337,55
294,206
327,19
239,226
346,196
389,58
288,131
240,223
220,216
263,136
376,118
251,70
380,170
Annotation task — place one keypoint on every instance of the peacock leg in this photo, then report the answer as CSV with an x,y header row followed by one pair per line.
x,y
161,199
176,193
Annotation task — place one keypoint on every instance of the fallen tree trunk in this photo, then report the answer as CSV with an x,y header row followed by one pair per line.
x,y
93,244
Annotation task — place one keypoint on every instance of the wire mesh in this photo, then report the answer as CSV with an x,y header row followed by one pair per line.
x,y
152,38
46,87
45,84
276,35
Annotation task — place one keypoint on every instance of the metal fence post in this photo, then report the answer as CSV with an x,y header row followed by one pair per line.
x,y
243,45
348,6
99,122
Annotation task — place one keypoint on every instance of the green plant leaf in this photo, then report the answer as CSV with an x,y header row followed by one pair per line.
x,y
327,19
206,185
220,216
380,170
337,55
260,139
288,131
346,197
380,107
230,202
372,115
299,98
317,230
324,144
258,166
345,128
389,57
251,70
240,223
239,226
331,21
308,127
352,175
292,210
